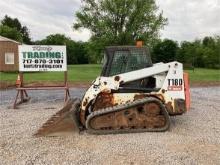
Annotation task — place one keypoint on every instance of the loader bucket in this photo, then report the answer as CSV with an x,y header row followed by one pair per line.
x,y
64,122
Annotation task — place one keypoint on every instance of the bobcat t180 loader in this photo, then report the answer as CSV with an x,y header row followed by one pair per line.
x,y
131,95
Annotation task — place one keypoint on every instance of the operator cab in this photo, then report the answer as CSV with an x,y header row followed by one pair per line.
x,y
123,59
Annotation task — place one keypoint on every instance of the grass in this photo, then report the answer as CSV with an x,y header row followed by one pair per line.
x,y
76,73
204,75
87,73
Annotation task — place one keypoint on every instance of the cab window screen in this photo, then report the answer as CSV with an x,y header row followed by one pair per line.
x,y
128,60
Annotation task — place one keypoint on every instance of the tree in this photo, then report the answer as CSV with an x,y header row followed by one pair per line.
x,y
94,51
165,51
76,52
15,23
200,53
208,42
54,39
211,49
11,22
114,22
25,35
11,33
186,53
81,52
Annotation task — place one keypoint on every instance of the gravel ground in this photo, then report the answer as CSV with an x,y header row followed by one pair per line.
x,y
8,96
194,138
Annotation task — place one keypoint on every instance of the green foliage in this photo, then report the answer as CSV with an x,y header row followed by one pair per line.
x,y
165,51
201,53
54,39
76,52
114,22
12,22
15,24
11,33
185,53
25,34
82,56
95,51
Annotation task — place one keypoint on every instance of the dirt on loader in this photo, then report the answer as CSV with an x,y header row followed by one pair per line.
x,y
194,138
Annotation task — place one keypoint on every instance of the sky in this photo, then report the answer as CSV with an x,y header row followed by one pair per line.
x,y
187,20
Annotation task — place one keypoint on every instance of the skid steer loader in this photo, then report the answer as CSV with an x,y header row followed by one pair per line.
x,y
131,95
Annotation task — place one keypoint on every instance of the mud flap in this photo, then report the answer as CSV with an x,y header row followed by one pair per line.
x,y
64,122
187,90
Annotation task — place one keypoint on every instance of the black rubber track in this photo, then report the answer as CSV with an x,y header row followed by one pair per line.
x,y
123,107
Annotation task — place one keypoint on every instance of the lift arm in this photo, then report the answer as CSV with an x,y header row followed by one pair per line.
x,y
106,84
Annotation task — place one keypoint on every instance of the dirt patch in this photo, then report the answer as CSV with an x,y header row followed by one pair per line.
x,y
10,85
205,84
6,85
